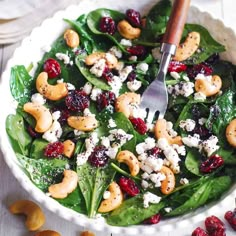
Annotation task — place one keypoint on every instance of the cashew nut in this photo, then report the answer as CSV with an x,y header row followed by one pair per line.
x,y
51,92
130,160
69,148
111,60
207,87
68,185
168,184
34,215
41,114
114,201
127,30
231,133
47,233
87,233
160,131
126,103
72,38
188,47
83,123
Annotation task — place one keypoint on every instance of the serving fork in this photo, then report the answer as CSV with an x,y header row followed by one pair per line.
x,y
155,98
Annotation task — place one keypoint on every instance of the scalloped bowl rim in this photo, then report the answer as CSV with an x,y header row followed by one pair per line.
x,y
10,158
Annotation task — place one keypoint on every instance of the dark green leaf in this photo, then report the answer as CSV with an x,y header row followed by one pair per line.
x,y
37,149
192,161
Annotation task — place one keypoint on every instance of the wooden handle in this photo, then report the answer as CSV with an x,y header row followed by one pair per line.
x,y
176,22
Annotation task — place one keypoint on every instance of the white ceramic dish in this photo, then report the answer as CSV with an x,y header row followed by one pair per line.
x,y
31,51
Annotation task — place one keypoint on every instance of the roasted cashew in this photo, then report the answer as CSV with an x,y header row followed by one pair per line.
x,y
113,201
34,215
47,233
87,233
160,131
69,148
72,38
127,30
51,92
207,87
126,102
68,185
41,114
168,184
188,47
83,123
111,60
130,160
231,133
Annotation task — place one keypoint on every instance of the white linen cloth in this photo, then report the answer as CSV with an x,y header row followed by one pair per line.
x,y
19,17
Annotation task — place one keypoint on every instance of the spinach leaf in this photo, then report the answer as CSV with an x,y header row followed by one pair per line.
x,y
228,154
192,161
131,212
21,84
93,182
208,46
18,135
43,172
93,21
99,83
37,149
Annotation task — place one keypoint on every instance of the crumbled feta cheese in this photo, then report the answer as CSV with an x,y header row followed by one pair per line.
x,y
120,136
148,144
120,65
151,164
150,198
116,85
179,149
38,98
63,57
169,128
143,156
91,142
106,195
56,115
184,181
77,133
210,145
82,158
175,75
133,58
186,78
60,81
112,152
94,93
168,209
123,74
70,86
54,132
157,178
134,85
87,88
199,96
87,112
126,42
200,76
111,123
137,112
192,141
144,184
116,51
98,67
145,175
187,124
182,88
156,53
172,156
163,144
202,121
142,66
105,141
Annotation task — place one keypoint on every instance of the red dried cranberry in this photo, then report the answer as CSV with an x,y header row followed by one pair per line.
x,y
107,25
54,149
215,226
136,50
107,74
211,164
202,68
153,219
203,132
52,67
139,125
154,152
133,17
177,66
98,157
199,232
104,99
32,132
131,76
230,216
64,116
128,186
77,100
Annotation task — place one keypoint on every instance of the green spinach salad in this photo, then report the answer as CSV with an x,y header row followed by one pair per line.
x,y
81,138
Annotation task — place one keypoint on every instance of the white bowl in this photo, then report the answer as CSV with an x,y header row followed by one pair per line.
x,y
30,51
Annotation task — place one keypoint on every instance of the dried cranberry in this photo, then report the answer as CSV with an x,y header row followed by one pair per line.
x,y
98,157
133,17
52,67
32,132
139,125
104,99
77,100
107,25
230,216
64,116
136,50
154,152
177,66
54,149
215,226
131,76
107,74
202,68
211,164
199,232
153,219
128,186
203,132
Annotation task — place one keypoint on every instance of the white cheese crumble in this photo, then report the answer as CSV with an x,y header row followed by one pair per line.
x,y
142,66
112,151
183,88
115,51
87,112
111,123
156,53
134,85
87,88
38,99
202,121
82,158
199,96
150,198
175,75
98,67
133,58
106,195
184,181
186,78
94,93
123,74
105,141
187,125
144,184
126,42
119,136
151,164
63,57
157,178
168,209
116,85
209,146
148,144
70,86
77,133
192,141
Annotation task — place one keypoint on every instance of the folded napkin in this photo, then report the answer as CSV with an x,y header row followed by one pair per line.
x,y
28,16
